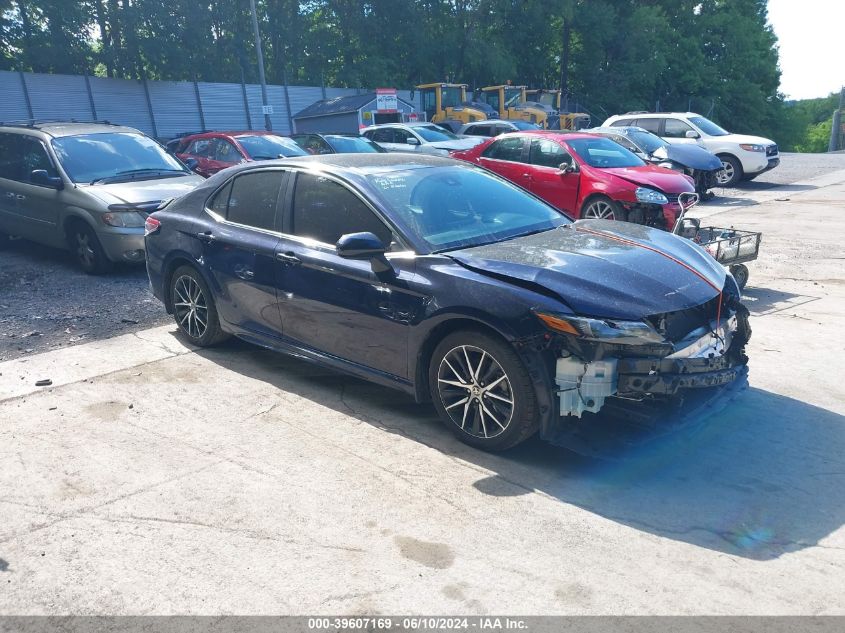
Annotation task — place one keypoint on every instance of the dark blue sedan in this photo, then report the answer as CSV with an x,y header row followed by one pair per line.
x,y
441,279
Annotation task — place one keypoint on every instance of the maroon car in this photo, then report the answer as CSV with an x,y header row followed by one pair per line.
x,y
214,151
586,176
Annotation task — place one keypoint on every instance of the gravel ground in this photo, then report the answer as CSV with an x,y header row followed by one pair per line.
x,y
47,302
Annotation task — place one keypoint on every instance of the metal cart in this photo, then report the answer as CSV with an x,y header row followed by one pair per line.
x,y
729,246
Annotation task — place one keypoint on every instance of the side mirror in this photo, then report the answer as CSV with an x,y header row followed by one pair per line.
x,y
688,228
692,134
412,141
364,246
191,163
41,177
568,168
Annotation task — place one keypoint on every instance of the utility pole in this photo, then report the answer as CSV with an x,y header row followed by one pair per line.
x,y
835,132
266,108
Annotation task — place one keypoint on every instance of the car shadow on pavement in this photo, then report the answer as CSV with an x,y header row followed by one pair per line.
x,y
765,301
760,479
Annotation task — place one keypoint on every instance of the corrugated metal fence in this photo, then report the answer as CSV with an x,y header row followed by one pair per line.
x,y
159,108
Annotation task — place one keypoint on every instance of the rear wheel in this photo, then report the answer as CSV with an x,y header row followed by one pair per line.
x,y
86,248
603,208
740,273
731,172
482,391
193,308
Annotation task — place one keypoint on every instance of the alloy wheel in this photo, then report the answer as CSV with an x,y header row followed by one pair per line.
x,y
85,250
190,306
600,210
726,174
475,391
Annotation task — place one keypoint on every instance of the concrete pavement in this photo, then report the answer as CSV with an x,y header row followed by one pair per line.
x,y
151,478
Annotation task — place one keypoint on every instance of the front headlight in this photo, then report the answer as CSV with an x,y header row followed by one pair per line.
x,y
748,147
124,219
651,196
602,330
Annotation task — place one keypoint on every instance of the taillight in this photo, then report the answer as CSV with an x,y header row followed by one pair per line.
x,y
151,225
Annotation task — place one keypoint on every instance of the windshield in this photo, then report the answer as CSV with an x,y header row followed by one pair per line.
x,y
352,144
459,206
708,127
451,97
114,155
268,146
647,141
513,96
548,99
432,134
602,152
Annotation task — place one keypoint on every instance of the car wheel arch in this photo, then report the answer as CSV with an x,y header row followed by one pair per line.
x,y
172,264
436,334
76,217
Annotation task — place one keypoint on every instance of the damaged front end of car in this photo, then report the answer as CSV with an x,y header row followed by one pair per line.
x,y
651,365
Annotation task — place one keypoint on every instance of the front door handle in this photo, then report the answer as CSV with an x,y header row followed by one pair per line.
x,y
288,258
20,196
207,237
9,195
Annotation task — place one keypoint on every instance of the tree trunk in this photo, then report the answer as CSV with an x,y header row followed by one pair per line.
x,y
564,62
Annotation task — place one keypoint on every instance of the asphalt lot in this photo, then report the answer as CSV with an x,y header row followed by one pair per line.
x,y
153,479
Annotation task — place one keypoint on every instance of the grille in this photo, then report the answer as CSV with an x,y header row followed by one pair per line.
x,y
772,150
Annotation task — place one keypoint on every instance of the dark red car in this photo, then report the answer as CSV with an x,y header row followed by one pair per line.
x,y
214,151
585,176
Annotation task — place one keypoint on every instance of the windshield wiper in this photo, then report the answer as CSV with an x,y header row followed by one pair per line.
x,y
129,173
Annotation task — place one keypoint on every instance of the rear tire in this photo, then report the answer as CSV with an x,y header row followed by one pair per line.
x,y
482,391
740,273
731,172
86,249
603,208
193,308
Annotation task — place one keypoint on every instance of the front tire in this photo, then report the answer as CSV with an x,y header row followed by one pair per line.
x,y
193,308
731,172
482,391
603,208
87,250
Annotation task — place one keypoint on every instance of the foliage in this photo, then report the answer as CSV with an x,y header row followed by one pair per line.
x,y
717,57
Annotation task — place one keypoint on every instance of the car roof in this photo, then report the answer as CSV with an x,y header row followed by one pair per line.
x,y
555,134
357,164
622,130
68,128
652,115
232,133
408,124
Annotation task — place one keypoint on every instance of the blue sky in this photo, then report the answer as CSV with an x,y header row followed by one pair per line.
x,y
812,52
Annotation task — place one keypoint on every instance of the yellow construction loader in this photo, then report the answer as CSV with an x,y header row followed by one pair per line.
x,y
446,104
509,102
550,99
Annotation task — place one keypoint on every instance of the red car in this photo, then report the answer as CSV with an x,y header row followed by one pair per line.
x,y
585,176
214,151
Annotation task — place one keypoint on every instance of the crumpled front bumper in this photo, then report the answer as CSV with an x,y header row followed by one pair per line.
x,y
667,376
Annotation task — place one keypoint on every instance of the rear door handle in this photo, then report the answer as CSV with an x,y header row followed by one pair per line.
x,y
20,196
288,258
207,237
9,195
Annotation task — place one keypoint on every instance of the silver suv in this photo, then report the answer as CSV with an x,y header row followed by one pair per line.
x,y
86,187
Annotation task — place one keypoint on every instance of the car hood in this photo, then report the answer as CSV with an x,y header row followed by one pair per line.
x,y
688,155
604,268
742,138
144,190
461,143
665,180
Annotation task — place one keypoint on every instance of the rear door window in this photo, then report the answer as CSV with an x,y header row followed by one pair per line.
x,y
20,155
200,147
324,210
651,124
253,198
622,123
510,149
479,130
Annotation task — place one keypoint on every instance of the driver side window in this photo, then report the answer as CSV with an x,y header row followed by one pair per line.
x,y
676,128
324,210
546,153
